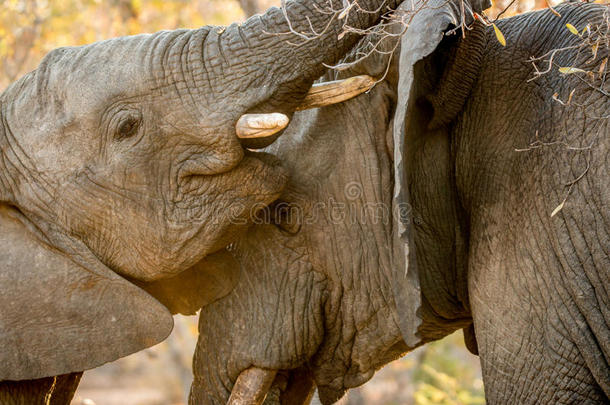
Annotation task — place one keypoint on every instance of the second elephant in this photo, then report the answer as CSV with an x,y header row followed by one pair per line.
x,y
458,194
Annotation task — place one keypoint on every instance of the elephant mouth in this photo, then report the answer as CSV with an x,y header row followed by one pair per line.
x,y
258,177
271,162
203,215
294,386
236,197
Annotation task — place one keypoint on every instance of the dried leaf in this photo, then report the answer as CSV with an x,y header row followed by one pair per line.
x,y
552,9
557,209
341,35
556,98
594,49
345,11
572,29
570,70
499,35
602,67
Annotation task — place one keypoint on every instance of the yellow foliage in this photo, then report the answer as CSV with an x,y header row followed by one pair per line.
x,y
499,35
572,29
446,390
570,70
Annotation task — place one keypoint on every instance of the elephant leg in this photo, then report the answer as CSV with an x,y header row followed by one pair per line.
x,y
57,390
537,320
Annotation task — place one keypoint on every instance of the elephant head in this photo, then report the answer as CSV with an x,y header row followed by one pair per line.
x,y
408,215
127,158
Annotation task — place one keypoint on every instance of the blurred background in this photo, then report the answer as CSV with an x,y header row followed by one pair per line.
x,y
443,372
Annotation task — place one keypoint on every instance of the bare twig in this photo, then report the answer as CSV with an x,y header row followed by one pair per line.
x,y
596,39
539,144
504,11
387,31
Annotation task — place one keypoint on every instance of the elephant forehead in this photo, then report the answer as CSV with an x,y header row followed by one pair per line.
x,y
116,68
100,71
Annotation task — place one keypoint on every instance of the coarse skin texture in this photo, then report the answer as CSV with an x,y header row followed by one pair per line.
x,y
538,285
119,160
315,300
178,181
320,297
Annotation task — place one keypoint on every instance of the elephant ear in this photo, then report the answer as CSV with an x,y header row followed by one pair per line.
x,y
422,38
58,316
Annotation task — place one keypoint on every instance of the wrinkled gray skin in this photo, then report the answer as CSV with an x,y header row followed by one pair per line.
x,y
315,299
120,159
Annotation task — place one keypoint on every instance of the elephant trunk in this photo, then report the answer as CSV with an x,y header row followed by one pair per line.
x,y
264,65
275,57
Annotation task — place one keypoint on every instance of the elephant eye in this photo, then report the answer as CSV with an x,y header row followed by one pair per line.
x,y
128,127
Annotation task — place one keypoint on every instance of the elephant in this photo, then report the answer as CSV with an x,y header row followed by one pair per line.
x,y
126,168
467,191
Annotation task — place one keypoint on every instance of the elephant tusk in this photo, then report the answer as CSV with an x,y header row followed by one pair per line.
x,y
252,126
251,386
323,94
260,125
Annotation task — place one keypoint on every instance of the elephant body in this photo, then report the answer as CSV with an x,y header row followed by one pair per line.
x,y
493,249
506,190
